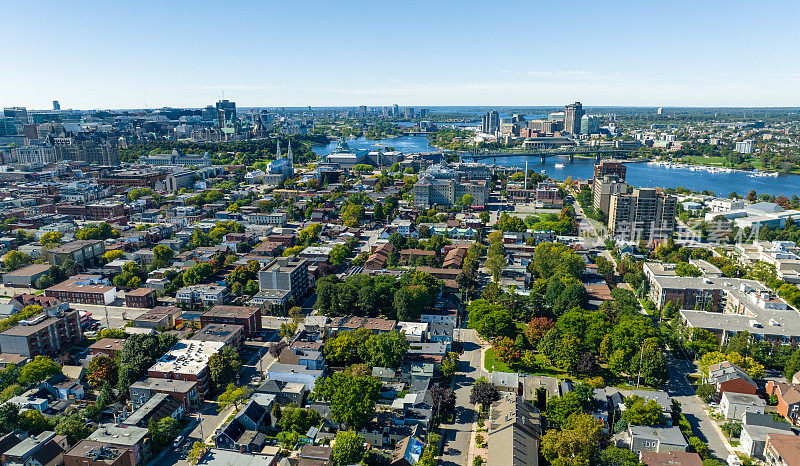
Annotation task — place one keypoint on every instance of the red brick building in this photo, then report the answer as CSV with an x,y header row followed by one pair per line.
x,y
141,298
107,346
247,317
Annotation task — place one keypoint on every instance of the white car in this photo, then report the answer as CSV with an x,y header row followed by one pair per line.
x,y
178,441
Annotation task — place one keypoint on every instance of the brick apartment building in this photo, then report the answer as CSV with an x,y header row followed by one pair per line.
x,y
141,298
83,289
187,360
84,252
184,390
247,317
50,333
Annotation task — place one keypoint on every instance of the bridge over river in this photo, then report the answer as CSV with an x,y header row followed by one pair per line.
x,y
598,152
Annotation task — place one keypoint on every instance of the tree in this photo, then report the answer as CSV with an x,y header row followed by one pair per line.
x,y
495,263
232,396
50,239
352,398
9,417
34,422
489,319
792,365
560,408
639,412
112,255
707,392
343,349
614,456
162,255
467,200
339,254
102,369
348,448
38,370
73,428
13,260
576,444
198,450
444,400
700,447
483,393
298,420
384,349
224,367
410,301
731,428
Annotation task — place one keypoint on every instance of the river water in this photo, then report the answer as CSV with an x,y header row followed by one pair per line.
x,y
638,174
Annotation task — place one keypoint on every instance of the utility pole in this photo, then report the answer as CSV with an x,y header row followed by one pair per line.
x,y
105,308
641,356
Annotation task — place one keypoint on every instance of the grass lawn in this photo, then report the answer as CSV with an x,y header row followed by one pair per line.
x,y
492,363
705,160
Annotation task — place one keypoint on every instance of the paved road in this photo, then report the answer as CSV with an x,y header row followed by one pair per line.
x,y
210,421
457,435
679,389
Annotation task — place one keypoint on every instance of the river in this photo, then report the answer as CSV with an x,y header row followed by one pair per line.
x,y
638,174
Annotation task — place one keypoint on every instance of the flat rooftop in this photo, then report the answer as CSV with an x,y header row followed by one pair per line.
x,y
217,332
187,357
166,385
231,311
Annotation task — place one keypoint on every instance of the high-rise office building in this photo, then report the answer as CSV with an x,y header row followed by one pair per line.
x,y
590,124
226,112
490,122
644,215
572,118
56,105
395,110
409,112
362,111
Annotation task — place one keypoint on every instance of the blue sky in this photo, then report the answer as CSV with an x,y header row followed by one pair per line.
x,y
114,54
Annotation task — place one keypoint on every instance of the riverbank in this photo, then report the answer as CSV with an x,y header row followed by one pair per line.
x,y
722,162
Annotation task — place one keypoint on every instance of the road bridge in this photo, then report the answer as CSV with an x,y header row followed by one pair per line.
x,y
543,154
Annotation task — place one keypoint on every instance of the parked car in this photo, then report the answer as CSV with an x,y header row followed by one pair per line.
x,y
178,441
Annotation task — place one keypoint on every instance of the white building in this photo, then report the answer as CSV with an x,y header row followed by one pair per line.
x,y
37,155
744,147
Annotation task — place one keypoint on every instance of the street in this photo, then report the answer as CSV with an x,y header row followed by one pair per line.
x,y
210,420
679,389
457,435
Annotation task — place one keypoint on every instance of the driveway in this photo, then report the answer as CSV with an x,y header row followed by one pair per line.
x,y
679,388
457,435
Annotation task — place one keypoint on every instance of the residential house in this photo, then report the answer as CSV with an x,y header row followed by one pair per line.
x,y
728,377
734,405
788,399
91,453
670,458
159,406
782,450
515,427
183,390
658,439
755,430
45,449
132,438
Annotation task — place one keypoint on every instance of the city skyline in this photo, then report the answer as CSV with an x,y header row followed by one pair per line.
x,y
187,54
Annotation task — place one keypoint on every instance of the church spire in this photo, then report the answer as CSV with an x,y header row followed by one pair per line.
x,y
289,154
278,150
